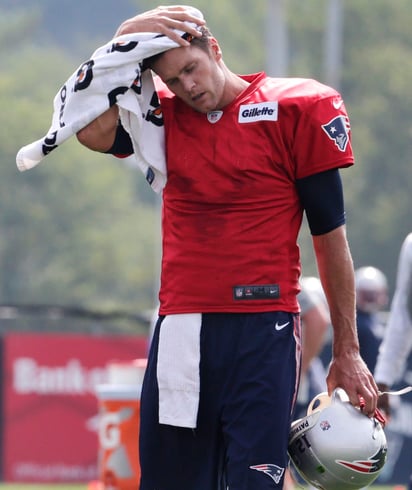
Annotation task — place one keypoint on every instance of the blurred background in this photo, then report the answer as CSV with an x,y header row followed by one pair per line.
x,y
79,234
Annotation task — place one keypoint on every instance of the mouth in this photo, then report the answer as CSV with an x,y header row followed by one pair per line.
x,y
200,102
197,97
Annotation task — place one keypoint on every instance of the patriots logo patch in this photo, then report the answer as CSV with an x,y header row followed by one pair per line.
x,y
338,131
371,465
272,470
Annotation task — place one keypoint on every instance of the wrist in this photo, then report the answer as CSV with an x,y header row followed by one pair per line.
x,y
349,350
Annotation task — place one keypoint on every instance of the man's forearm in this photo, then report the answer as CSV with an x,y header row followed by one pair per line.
x,y
347,369
336,273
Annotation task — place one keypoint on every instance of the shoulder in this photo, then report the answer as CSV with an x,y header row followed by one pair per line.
x,y
301,92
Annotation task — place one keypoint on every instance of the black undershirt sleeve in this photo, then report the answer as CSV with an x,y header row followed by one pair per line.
x,y
322,198
122,145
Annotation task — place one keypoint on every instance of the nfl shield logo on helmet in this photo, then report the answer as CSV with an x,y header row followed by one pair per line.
x,y
338,131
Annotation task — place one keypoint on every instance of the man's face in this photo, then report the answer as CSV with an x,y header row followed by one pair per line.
x,y
194,75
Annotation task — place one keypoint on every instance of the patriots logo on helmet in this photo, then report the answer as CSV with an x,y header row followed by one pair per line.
x,y
371,465
338,131
272,470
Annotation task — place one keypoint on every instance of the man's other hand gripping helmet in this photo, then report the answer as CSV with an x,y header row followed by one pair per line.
x,y
336,446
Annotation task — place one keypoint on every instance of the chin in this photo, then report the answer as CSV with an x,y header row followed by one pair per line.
x,y
199,108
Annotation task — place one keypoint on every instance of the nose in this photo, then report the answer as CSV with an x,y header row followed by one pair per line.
x,y
188,84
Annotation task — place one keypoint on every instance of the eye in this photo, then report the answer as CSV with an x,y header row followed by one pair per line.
x,y
190,68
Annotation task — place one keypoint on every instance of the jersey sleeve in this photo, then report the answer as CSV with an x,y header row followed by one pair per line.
x,y
322,137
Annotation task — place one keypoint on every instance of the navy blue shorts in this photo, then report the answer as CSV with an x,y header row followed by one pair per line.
x,y
248,383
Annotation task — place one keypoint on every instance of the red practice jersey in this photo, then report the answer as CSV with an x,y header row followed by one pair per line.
x,y
231,212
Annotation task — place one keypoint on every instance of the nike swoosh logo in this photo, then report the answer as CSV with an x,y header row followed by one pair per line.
x,y
282,326
337,104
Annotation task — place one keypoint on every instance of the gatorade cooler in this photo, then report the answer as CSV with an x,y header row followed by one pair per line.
x,y
119,418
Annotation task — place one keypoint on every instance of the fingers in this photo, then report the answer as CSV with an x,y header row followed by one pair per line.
x,y
165,20
367,394
168,20
367,400
358,383
180,13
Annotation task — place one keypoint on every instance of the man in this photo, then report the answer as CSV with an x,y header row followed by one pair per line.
x,y
397,342
246,155
371,297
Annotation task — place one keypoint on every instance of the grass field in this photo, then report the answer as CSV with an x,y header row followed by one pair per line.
x,y
42,486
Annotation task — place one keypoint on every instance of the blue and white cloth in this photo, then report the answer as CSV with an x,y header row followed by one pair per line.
x,y
113,75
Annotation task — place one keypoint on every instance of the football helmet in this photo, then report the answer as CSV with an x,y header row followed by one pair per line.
x,y
371,289
336,446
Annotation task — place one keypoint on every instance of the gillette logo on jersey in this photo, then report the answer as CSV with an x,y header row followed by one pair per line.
x,y
262,111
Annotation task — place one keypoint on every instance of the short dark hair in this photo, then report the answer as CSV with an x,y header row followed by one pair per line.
x,y
199,42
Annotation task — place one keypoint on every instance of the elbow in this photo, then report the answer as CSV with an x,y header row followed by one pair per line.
x,y
92,140
83,137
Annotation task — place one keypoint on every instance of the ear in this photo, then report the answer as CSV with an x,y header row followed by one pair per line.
x,y
214,45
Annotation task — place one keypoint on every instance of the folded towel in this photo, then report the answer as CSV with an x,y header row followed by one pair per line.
x,y
112,75
178,369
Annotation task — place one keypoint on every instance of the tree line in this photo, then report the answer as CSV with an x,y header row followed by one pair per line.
x,y
83,228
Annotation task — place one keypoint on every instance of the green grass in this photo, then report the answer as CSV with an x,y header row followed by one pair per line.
x,y
40,486
55,486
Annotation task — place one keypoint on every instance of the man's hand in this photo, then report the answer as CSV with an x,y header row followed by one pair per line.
x,y
164,20
350,372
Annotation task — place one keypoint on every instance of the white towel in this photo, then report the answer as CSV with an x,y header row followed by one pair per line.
x,y
112,75
178,369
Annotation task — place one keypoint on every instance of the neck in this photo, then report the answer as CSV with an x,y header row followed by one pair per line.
x,y
234,85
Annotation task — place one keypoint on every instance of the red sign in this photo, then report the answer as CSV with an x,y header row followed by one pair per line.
x,y
50,404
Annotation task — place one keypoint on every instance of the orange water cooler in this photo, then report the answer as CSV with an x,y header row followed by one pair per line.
x,y
119,418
